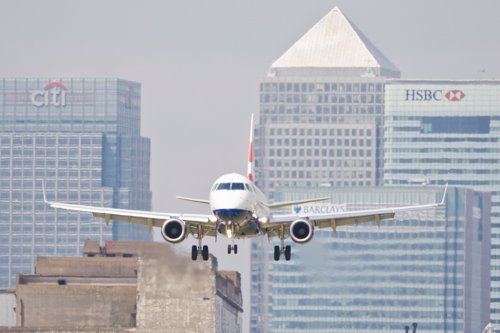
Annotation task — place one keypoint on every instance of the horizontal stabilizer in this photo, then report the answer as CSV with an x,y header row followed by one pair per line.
x,y
194,200
293,203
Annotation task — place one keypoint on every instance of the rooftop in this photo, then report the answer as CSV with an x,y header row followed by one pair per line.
x,y
334,42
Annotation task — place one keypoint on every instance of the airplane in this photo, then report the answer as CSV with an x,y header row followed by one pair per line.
x,y
240,210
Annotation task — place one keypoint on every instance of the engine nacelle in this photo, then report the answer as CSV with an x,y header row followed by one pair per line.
x,y
301,231
173,230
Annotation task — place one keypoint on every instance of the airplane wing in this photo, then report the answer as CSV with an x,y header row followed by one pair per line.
x,y
293,203
278,223
194,222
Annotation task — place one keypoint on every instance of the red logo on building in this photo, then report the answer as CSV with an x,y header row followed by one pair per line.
x,y
455,95
53,93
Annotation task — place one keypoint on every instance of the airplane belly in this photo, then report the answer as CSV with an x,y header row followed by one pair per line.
x,y
248,229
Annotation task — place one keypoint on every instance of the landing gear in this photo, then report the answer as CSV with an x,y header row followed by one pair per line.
x,y
204,253
286,250
195,250
203,250
232,248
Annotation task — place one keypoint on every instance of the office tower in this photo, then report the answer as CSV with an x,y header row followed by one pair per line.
x,y
429,267
82,138
437,131
320,124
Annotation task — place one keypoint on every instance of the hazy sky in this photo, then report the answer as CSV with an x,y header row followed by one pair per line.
x,y
200,62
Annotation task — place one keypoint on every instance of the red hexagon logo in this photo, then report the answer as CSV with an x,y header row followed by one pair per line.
x,y
455,95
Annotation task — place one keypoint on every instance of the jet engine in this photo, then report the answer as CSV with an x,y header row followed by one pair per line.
x,y
301,231
173,230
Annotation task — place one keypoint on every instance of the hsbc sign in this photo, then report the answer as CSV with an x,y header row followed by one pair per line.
x,y
423,95
54,93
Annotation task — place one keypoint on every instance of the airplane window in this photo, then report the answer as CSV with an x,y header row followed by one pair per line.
x,y
215,187
248,188
237,186
224,186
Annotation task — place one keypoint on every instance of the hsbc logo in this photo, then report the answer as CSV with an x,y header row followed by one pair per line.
x,y
54,93
423,95
454,95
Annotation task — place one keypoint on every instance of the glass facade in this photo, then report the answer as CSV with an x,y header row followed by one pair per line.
x,y
319,131
429,267
314,132
320,124
82,137
437,131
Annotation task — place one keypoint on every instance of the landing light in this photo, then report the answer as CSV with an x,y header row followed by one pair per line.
x,y
229,233
263,220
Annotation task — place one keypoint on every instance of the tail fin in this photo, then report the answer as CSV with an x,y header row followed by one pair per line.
x,y
250,153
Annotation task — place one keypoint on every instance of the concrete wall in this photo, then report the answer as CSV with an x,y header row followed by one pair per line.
x,y
175,294
46,303
7,306
159,291
85,266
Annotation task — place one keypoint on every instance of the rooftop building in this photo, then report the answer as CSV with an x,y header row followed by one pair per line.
x,y
139,286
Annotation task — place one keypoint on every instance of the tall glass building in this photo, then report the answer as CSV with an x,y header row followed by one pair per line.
x,y
320,124
438,131
430,267
82,137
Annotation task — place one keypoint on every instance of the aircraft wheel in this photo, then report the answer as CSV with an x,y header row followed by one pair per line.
x,y
204,252
235,248
288,252
277,253
194,252
229,249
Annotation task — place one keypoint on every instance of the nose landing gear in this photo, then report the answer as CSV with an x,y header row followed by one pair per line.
x,y
232,248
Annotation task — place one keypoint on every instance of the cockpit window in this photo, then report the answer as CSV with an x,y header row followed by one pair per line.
x,y
237,186
231,186
224,186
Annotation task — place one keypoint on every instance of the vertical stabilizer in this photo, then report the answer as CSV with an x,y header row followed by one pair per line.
x,y
250,153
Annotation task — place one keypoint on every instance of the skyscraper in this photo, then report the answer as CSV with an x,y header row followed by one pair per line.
x,y
430,267
320,124
82,137
438,131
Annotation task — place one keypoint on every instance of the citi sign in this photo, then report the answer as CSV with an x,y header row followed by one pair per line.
x,y
417,95
54,93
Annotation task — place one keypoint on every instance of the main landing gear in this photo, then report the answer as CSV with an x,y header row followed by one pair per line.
x,y
195,250
203,250
286,250
279,250
232,248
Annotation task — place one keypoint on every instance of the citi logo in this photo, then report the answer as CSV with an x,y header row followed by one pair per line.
x,y
433,95
54,93
454,95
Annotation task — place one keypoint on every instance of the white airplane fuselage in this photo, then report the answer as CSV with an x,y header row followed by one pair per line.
x,y
238,206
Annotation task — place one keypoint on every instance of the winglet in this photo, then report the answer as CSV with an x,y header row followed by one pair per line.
x,y
250,153
444,195
43,191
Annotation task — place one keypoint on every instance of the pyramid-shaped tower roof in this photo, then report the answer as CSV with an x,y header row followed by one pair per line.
x,y
334,43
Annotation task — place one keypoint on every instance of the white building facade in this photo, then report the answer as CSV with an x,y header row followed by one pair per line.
x,y
438,131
